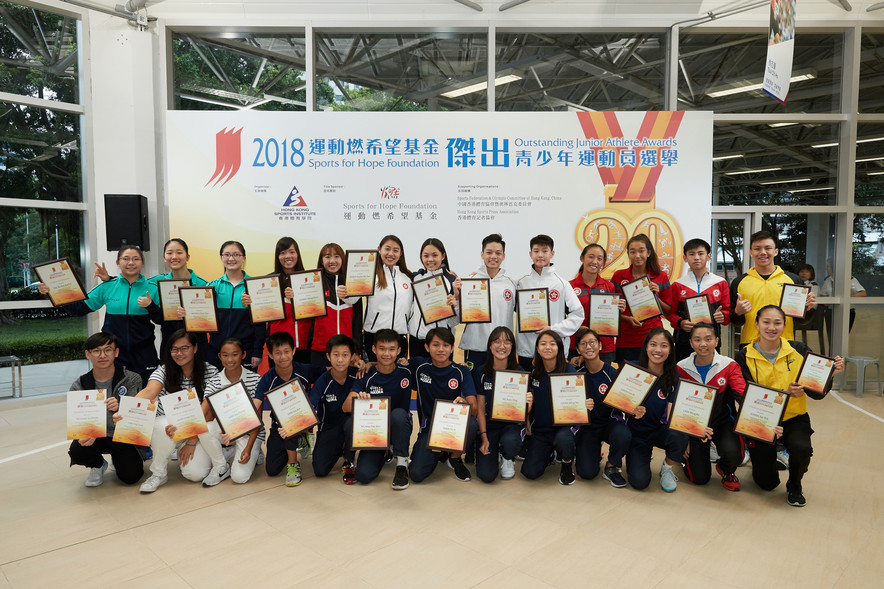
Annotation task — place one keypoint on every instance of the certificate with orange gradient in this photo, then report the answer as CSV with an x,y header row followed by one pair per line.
x,y
532,309
292,408
793,301
235,410
183,410
169,298
510,398
309,299
266,293
692,408
643,303
87,414
359,272
448,428
475,300
136,427
630,388
699,310
64,284
761,411
431,295
815,372
604,314
568,391
371,424
200,308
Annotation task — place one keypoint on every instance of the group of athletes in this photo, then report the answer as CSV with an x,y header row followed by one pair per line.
x,y
379,345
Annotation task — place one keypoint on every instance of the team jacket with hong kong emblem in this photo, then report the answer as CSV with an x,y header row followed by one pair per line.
x,y
714,287
725,375
583,290
503,302
432,382
390,308
565,311
344,316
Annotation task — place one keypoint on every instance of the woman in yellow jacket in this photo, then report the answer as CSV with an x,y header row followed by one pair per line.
x,y
773,361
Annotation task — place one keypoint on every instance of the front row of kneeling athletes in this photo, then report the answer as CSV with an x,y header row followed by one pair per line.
x,y
771,361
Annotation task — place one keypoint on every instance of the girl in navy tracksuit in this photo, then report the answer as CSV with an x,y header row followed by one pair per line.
x,y
344,314
604,425
233,316
549,358
390,305
126,299
496,437
649,424
436,263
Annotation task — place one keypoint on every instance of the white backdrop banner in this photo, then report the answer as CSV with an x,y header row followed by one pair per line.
x,y
352,178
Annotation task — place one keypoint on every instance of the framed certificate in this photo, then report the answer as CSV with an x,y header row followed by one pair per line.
x,y
291,408
371,424
643,303
431,295
532,309
359,272
64,284
793,301
630,388
309,300
183,410
234,410
815,372
510,400
604,314
761,411
136,427
87,414
568,392
170,300
699,310
200,307
266,293
448,428
475,300
692,408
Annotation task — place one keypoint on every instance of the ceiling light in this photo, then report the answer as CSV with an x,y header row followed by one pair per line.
x,y
481,86
809,189
756,84
874,173
760,170
730,156
870,159
834,143
775,125
785,181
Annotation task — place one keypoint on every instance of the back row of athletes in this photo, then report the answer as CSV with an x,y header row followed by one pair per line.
x,y
130,301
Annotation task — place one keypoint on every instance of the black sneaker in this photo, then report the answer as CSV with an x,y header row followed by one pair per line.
x,y
460,470
613,476
795,497
388,457
567,476
400,481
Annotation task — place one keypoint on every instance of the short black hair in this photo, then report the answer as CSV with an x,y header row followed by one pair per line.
x,y
761,236
278,339
494,238
340,340
442,333
387,336
696,243
698,326
97,340
542,239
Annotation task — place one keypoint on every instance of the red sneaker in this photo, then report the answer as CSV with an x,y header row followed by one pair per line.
x,y
729,482
349,474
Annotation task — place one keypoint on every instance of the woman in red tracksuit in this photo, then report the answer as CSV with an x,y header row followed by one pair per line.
x,y
288,261
344,314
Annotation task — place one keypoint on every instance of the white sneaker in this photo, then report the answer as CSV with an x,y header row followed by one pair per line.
x,y
153,483
96,475
745,458
713,453
668,480
260,459
216,475
507,469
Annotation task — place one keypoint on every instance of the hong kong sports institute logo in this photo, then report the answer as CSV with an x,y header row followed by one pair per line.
x,y
228,156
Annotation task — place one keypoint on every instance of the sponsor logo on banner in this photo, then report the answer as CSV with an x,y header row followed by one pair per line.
x,y
388,192
294,207
294,199
228,156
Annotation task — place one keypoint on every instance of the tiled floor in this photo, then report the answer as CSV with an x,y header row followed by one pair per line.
x,y
442,533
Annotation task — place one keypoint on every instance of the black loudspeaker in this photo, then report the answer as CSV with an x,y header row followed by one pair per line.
x,y
126,221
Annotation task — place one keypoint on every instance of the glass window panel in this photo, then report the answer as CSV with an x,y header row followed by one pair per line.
x,y
39,154
38,53
803,239
865,340
869,164
401,71
728,248
223,71
724,72
791,164
868,255
38,336
596,71
871,72
32,236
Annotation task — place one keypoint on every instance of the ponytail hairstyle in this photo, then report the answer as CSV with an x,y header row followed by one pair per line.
x,y
437,243
180,242
539,371
652,263
667,379
283,244
174,374
583,255
379,264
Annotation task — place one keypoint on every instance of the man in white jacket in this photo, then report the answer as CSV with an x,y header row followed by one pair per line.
x,y
474,341
565,311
